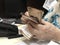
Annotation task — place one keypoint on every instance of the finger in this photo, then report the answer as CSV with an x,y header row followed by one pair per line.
x,y
24,19
44,22
31,29
26,13
37,26
29,18
34,25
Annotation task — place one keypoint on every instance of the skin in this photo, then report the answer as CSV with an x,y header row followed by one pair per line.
x,y
43,31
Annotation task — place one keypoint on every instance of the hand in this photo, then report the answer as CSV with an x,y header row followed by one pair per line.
x,y
27,18
24,17
43,31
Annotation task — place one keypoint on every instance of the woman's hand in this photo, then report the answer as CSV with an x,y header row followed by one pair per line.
x,y
44,31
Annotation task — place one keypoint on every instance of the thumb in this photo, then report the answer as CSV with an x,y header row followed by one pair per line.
x,y
26,13
44,22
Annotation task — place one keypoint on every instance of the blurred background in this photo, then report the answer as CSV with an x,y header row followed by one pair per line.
x,y
12,8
